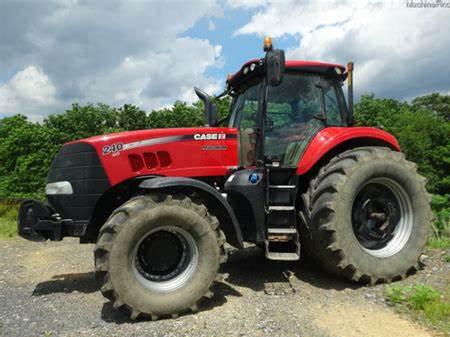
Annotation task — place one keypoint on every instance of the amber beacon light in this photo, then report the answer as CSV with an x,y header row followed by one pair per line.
x,y
267,43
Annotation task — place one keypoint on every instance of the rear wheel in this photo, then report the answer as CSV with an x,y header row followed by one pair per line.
x,y
367,215
159,256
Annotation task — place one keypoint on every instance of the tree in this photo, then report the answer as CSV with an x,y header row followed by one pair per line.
x,y
423,133
26,152
180,114
425,139
27,148
83,121
437,103
378,112
130,117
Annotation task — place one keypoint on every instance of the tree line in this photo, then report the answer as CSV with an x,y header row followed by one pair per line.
x,y
27,148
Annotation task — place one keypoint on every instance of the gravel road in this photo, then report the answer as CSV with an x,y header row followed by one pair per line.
x,y
49,289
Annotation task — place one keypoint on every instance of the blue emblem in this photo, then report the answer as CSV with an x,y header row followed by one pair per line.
x,y
253,178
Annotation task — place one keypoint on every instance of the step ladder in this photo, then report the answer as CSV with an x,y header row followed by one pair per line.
x,y
282,237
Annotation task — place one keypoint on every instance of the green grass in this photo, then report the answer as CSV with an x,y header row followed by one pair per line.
x,y
439,243
424,302
441,224
8,220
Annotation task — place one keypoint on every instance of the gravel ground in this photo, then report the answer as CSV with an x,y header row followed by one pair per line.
x,y
49,289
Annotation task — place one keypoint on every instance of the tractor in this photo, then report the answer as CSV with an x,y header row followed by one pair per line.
x,y
287,170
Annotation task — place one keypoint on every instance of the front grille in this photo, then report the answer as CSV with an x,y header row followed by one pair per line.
x,y
79,164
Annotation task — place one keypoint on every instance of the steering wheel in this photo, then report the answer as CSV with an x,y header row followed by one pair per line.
x,y
269,124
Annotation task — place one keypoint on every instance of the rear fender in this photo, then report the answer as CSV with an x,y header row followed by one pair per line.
x,y
213,200
332,140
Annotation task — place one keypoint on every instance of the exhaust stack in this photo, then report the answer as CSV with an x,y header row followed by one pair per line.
x,y
350,90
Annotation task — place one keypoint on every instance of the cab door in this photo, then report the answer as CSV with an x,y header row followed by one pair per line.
x,y
246,112
245,188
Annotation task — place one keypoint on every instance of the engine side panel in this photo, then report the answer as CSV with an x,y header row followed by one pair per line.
x,y
328,138
191,152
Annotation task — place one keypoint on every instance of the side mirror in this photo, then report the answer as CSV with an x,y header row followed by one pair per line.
x,y
275,66
210,107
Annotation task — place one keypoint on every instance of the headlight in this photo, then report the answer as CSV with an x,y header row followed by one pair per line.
x,y
59,187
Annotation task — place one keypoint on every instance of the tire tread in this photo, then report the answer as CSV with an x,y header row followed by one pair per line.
x,y
116,223
318,202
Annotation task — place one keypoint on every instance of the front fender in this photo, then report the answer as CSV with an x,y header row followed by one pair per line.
x,y
213,199
332,137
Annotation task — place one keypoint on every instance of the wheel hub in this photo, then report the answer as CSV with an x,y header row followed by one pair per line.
x,y
165,258
162,255
382,217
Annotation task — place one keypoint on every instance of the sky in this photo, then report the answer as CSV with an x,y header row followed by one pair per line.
x,y
150,53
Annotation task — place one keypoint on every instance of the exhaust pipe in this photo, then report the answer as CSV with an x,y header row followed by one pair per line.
x,y
350,91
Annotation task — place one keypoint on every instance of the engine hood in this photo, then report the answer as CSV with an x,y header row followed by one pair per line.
x,y
131,136
187,152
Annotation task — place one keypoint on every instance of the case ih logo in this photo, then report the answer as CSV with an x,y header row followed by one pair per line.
x,y
210,136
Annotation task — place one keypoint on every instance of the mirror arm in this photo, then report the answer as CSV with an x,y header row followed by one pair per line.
x,y
222,94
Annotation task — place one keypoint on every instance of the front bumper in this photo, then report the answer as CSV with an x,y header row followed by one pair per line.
x,y
39,222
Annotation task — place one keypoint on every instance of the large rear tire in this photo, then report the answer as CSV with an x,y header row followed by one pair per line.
x,y
366,215
159,255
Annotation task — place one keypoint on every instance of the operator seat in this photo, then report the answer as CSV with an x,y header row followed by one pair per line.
x,y
248,142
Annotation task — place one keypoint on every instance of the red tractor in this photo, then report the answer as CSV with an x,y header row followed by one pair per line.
x,y
287,168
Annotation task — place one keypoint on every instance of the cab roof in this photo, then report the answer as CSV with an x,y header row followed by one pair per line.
x,y
254,67
298,63
302,63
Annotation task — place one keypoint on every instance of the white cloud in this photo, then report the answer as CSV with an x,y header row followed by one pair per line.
x,y
278,18
29,91
398,51
211,25
157,78
246,3
112,51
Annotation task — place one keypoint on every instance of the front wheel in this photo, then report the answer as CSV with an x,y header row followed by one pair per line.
x,y
367,215
159,256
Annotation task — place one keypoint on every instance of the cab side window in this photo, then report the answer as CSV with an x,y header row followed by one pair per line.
x,y
334,117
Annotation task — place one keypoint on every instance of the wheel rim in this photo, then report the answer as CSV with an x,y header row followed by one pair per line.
x,y
382,217
165,259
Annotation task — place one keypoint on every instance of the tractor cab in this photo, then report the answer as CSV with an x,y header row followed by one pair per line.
x,y
276,122
278,106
